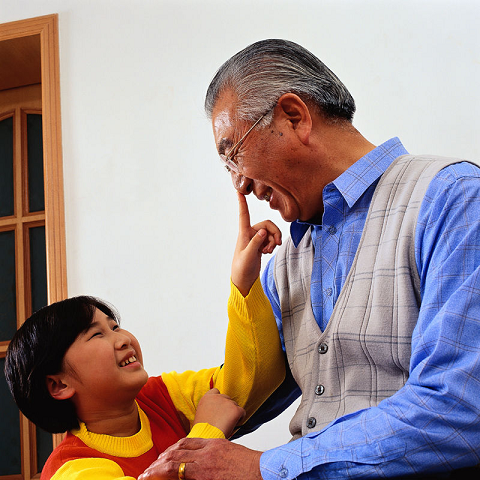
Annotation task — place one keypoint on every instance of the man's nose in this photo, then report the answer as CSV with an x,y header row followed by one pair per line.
x,y
242,184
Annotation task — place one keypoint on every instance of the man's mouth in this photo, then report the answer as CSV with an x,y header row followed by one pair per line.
x,y
132,359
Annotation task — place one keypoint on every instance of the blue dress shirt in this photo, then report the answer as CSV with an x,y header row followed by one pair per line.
x,y
432,424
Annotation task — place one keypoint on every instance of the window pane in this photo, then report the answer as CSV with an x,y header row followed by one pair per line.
x,y
36,196
10,428
44,447
6,167
8,303
38,265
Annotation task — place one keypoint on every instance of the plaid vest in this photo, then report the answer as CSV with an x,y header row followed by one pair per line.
x,y
363,355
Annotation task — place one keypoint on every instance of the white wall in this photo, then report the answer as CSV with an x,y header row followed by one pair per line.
x,y
150,215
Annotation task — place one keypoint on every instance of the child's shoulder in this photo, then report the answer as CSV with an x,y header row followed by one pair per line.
x,y
154,389
154,397
71,448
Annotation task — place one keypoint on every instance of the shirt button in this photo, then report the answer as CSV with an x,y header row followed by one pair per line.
x,y
319,389
283,472
311,422
329,292
332,230
322,348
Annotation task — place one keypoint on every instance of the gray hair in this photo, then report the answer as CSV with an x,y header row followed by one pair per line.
x,y
262,72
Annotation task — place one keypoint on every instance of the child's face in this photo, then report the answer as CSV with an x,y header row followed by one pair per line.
x,y
104,364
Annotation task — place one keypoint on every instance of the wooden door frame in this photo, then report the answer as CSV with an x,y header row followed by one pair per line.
x,y
47,28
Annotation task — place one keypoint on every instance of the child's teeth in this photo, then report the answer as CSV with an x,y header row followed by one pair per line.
x,y
130,360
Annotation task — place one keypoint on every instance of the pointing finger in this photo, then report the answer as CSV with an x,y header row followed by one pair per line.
x,y
243,213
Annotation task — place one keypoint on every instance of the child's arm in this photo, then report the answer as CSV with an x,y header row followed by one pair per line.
x,y
254,361
90,469
216,416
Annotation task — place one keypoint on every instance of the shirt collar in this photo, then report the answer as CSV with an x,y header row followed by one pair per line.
x,y
353,183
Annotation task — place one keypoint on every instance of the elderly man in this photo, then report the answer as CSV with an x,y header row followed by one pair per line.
x,y
376,292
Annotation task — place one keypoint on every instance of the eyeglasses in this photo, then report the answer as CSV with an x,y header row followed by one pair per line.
x,y
227,160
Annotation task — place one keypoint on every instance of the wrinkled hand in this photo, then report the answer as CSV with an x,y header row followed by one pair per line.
x,y
206,459
252,242
219,410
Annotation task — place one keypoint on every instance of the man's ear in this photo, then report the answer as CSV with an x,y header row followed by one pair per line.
x,y
58,389
294,110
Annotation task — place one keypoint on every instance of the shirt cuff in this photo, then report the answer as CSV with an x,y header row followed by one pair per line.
x,y
205,430
255,301
281,463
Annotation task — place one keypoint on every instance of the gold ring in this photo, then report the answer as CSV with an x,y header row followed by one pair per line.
x,y
181,471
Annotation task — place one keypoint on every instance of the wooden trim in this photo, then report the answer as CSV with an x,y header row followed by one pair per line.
x,y
53,164
7,222
7,114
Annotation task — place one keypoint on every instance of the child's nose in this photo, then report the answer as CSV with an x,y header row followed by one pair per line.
x,y
122,341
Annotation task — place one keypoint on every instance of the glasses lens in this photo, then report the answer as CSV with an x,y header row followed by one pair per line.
x,y
228,163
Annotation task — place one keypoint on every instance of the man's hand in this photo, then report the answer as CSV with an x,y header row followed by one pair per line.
x,y
219,410
206,459
252,242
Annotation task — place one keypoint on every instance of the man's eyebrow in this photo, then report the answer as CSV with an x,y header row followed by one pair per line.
x,y
223,144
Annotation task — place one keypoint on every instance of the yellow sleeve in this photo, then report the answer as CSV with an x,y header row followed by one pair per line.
x,y
254,361
90,469
205,430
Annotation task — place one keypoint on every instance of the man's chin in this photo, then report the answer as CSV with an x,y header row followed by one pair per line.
x,y
287,216
282,208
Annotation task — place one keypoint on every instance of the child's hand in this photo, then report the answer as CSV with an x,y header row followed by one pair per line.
x,y
219,410
252,242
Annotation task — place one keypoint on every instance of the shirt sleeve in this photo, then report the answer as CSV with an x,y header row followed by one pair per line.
x,y
254,362
90,469
431,425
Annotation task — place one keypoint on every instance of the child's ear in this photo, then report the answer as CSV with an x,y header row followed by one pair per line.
x,y
57,389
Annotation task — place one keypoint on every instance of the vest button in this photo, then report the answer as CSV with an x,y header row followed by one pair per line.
x,y
319,389
322,348
311,422
332,230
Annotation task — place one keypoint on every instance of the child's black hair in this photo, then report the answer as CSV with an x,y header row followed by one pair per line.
x,y
37,350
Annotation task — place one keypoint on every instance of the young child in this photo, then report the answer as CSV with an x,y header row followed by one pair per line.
x,y
71,367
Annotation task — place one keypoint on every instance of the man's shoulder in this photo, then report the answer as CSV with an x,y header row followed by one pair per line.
x,y
434,172
460,169
448,167
460,177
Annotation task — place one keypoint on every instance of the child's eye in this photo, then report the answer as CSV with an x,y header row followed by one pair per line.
x,y
96,334
115,327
